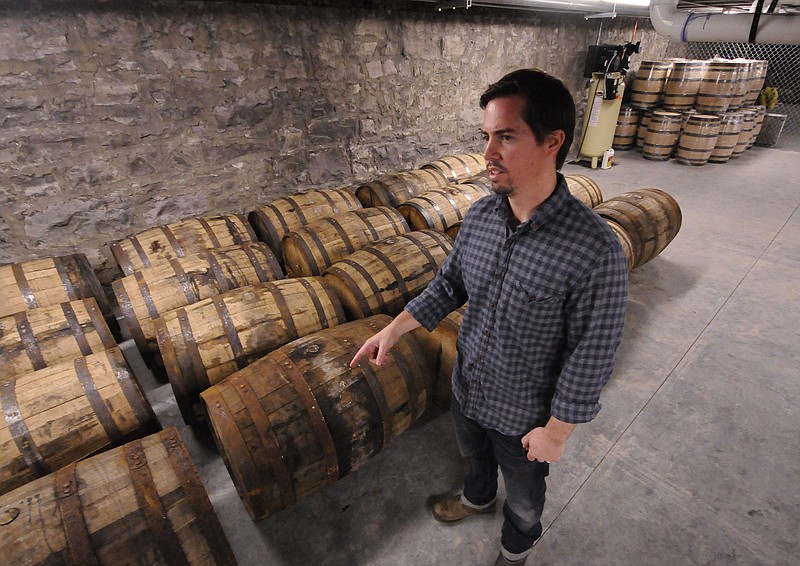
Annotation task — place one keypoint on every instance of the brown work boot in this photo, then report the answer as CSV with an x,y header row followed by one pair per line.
x,y
449,508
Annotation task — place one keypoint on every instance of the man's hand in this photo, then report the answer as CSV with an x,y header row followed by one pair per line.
x,y
546,443
376,348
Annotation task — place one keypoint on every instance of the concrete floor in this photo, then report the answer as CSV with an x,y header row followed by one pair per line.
x,y
695,457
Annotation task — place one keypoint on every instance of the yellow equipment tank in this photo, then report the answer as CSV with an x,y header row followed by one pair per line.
x,y
600,119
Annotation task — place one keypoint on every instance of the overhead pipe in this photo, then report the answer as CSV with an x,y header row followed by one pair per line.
x,y
691,26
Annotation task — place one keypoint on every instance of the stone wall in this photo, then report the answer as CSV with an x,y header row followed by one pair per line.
x,y
118,116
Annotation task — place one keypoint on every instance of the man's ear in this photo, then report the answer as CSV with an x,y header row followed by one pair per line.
x,y
554,141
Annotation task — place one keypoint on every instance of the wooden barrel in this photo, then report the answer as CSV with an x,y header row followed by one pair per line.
x,y
627,124
311,248
641,131
383,277
748,122
181,281
68,411
718,87
698,139
141,503
740,91
663,130
452,231
439,208
757,123
203,343
396,188
35,339
273,221
51,281
584,189
179,239
729,129
300,418
755,80
481,179
625,241
650,217
648,84
440,349
458,168
680,90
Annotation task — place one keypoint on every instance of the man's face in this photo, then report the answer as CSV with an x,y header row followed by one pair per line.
x,y
513,156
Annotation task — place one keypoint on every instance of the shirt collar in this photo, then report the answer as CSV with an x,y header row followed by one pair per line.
x,y
546,211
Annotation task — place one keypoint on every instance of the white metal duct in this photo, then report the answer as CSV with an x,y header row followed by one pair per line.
x,y
690,26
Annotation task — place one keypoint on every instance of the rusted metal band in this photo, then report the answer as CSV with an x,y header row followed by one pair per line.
x,y
99,324
128,312
96,401
395,218
409,373
314,412
19,430
298,210
77,329
196,496
323,251
454,204
380,398
183,279
122,258
237,236
350,198
150,504
210,232
364,216
137,246
276,460
300,240
437,210
267,223
230,332
314,296
399,281
23,286
286,314
76,533
355,289
173,241
465,164
453,172
136,399
217,271
441,240
195,375
332,203
28,340
256,263
144,290
66,282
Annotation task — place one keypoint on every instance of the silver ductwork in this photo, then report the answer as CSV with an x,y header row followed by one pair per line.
x,y
690,26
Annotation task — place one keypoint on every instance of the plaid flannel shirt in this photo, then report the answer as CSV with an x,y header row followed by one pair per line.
x,y
545,311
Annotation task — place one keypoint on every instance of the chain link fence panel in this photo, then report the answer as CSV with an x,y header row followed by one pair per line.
x,y
783,74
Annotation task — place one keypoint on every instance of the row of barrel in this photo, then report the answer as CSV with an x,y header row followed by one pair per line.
x,y
272,379
690,137
67,392
712,86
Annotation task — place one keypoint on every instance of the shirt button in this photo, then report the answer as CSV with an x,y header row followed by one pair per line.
x,y
493,306
480,360
486,332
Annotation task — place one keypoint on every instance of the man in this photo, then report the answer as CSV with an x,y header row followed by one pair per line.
x,y
546,283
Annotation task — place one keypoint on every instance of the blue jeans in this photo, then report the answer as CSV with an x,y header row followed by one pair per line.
x,y
486,450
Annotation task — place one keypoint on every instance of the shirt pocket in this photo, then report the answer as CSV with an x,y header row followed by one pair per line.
x,y
536,310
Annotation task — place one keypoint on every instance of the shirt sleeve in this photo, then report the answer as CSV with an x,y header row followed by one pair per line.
x,y
595,318
442,295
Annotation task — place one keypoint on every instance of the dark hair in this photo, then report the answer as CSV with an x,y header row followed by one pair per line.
x,y
548,104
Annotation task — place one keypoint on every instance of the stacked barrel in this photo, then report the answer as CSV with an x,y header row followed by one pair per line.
x,y
696,111
80,445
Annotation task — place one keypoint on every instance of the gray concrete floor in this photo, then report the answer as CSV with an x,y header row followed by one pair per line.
x,y
695,457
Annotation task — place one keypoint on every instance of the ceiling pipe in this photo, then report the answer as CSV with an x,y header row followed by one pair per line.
x,y
691,26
